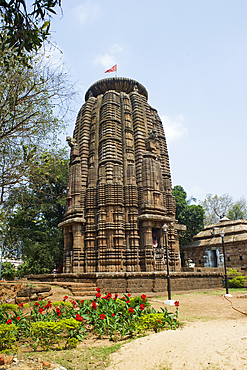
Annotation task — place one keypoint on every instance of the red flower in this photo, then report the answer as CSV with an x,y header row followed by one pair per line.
x,y
9,321
65,297
41,310
82,301
113,314
36,304
20,304
123,298
94,305
102,316
98,290
59,313
18,318
98,295
48,305
129,295
39,299
108,296
127,301
116,295
142,306
78,317
131,310
143,297
176,303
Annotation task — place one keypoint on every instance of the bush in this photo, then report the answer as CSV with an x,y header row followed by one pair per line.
x,y
8,335
50,333
236,280
8,271
152,321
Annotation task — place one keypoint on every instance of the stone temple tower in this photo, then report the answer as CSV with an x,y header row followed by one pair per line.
x,y
119,192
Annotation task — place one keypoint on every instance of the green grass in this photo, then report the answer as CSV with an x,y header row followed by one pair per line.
x,y
80,358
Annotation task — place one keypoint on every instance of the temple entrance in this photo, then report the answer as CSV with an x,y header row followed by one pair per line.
x,y
159,253
214,258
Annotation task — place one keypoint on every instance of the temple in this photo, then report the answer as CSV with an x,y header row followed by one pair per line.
x,y
119,192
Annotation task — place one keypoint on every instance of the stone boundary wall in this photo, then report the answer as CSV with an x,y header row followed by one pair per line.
x,y
138,282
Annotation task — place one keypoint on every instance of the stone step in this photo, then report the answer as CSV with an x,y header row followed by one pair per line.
x,y
83,289
84,292
82,297
82,286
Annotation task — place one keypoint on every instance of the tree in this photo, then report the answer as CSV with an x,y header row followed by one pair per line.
x,y
33,213
239,210
190,215
33,105
25,29
216,207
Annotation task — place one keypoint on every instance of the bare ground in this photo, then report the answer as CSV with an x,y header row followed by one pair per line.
x,y
213,336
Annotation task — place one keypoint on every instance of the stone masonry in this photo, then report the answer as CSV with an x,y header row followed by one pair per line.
x,y
119,191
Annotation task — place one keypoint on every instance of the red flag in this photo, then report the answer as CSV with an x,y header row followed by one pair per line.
x,y
113,69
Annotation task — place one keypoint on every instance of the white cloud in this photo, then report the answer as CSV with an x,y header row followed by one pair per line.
x,y
106,60
115,49
109,59
90,11
173,127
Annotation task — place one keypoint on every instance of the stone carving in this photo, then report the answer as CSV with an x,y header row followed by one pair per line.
x,y
119,186
72,142
151,140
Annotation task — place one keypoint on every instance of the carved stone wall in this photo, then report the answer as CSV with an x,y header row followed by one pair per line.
x,y
119,191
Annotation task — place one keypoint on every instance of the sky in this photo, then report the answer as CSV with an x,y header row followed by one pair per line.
x,y
191,55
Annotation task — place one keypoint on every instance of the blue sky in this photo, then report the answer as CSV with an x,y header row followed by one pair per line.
x,y
191,56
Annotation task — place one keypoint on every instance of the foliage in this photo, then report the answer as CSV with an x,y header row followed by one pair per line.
x,y
239,210
8,335
26,29
49,333
33,214
8,271
190,215
47,326
216,207
157,321
236,280
33,105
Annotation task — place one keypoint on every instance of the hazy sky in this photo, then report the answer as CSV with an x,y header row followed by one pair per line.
x,y
192,57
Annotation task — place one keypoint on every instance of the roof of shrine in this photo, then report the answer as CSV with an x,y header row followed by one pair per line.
x,y
118,84
234,231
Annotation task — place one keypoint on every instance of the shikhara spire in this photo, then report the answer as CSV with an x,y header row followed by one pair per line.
x,y
119,191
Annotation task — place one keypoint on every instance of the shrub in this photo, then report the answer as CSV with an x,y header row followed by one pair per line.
x,y
236,280
49,333
152,321
8,271
8,336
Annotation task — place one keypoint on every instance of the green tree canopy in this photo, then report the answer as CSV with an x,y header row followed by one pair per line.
x,y
190,215
216,206
33,213
33,106
25,27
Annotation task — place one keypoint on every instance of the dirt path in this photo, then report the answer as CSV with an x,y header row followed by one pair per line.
x,y
201,345
218,344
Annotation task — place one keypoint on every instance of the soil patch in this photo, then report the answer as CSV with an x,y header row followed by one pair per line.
x,y
213,336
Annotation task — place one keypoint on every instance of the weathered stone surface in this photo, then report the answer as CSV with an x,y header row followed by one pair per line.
x,y
119,191
22,299
28,292
207,250
45,294
33,297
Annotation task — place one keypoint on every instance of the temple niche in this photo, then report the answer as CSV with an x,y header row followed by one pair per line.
x,y
119,192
